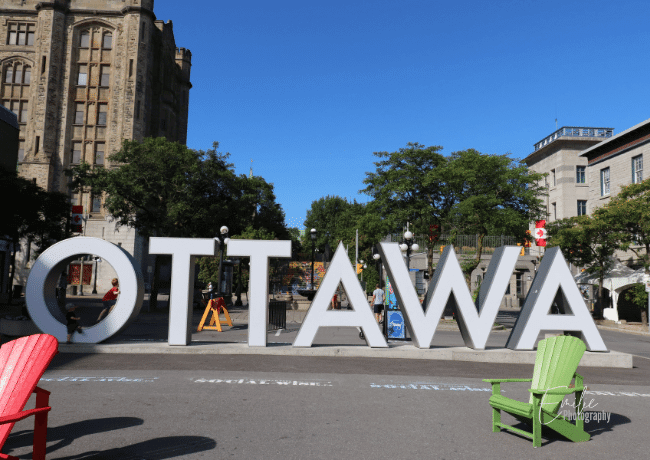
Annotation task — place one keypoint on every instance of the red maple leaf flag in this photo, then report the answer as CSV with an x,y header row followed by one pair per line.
x,y
76,219
540,233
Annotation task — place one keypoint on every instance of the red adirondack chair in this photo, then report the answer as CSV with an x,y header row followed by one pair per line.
x,y
22,363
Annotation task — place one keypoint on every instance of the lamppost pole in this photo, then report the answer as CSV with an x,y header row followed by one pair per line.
x,y
222,242
95,285
312,233
407,245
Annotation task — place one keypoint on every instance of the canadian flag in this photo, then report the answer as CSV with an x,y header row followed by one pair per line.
x,y
540,233
76,219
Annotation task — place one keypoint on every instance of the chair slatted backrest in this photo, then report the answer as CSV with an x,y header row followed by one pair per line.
x,y
22,363
556,363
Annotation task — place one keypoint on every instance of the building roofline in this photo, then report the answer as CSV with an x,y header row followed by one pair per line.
x,y
613,138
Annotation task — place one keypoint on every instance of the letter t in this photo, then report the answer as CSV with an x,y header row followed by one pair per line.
x,y
259,251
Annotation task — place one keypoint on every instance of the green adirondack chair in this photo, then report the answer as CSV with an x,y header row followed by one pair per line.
x,y
556,363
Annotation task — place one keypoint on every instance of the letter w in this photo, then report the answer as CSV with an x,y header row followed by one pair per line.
x,y
475,323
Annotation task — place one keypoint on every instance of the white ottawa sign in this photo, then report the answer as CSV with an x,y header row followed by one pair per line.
x,y
475,320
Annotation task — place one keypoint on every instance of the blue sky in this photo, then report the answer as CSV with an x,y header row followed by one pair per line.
x,y
310,89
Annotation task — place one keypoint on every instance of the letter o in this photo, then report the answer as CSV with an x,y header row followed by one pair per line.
x,y
44,276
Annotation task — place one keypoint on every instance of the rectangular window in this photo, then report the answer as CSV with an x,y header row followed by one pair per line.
x,y
30,34
18,77
76,153
82,80
43,64
105,75
28,75
580,174
101,116
79,114
96,203
604,182
37,144
99,153
520,284
552,177
582,207
637,169
85,39
9,75
22,37
130,67
15,107
554,211
12,37
21,151
107,43
22,118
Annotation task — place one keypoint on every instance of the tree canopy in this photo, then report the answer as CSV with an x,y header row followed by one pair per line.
x,y
467,192
166,189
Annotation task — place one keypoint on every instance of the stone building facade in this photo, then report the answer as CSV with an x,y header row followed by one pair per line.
x,y
567,180
82,76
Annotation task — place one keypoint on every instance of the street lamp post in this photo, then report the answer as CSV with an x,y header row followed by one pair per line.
x,y
408,245
222,242
312,234
95,284
377,259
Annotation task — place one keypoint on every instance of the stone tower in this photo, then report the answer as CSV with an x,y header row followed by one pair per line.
x,y
82,75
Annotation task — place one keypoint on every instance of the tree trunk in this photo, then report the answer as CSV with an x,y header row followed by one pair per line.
x,y
153,296
598,308
644,317
430,260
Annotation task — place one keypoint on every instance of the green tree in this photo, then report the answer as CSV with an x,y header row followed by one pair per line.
x,y
586,241
409,185
491,194
165,189
629,214
34,214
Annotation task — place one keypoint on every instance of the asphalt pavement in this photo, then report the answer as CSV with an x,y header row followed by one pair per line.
x,y
146,407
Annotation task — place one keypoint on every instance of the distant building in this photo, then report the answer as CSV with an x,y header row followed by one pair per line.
x,y
617,162
567,180
9,131
81,76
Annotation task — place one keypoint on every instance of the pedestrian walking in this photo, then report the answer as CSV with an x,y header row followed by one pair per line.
x,y
71,321
378,302
110,298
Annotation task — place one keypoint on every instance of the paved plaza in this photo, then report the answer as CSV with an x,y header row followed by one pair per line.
x,y
205,406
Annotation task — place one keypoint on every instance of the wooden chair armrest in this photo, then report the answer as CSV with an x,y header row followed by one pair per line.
x,y
40,390
506,380
556,391
22,415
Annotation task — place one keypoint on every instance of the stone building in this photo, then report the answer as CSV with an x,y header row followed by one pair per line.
x,y
82,76
9,132
567,180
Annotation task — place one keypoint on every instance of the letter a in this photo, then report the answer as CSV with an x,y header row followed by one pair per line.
x,y
340,270
553,274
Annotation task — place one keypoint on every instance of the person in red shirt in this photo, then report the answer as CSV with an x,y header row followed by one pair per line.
x,y
110,298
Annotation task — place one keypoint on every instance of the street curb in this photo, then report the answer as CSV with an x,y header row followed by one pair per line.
x,y
612,359
626,331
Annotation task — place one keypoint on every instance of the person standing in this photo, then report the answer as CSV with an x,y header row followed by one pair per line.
x,y
378,302
110,298
71,321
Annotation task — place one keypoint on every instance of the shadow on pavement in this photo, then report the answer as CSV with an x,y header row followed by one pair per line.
x,y
157,448
67,434
153,449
